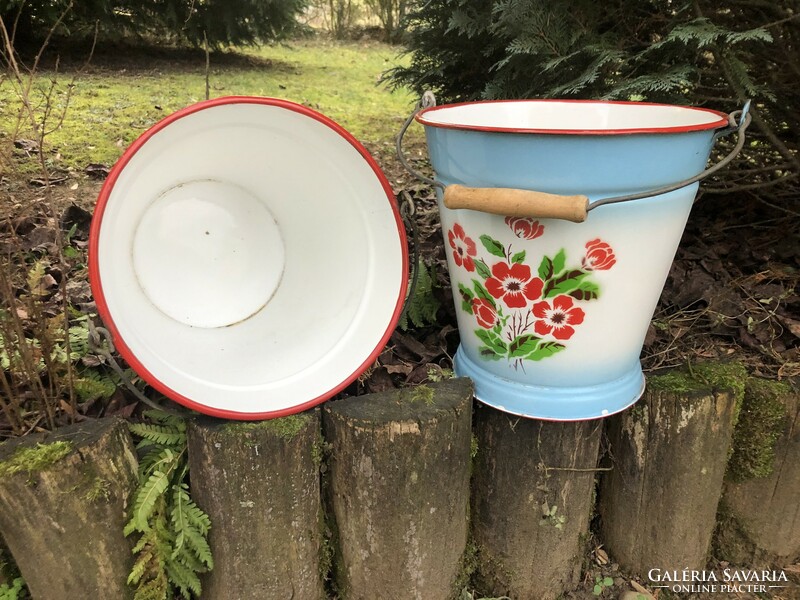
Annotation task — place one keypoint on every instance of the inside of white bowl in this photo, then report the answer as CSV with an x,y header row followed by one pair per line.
x,y
571,116
250,259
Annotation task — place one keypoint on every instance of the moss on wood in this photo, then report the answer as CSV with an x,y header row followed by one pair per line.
x,y
699,377
284,427
34,459
761,424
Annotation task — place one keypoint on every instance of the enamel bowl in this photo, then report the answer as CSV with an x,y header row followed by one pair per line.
x,y
248,258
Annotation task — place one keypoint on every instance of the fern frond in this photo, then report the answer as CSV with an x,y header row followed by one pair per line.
x,y
93,386
183,578
172,549
140,566
147,497
157,588
164,418
200,549
165,435
422,308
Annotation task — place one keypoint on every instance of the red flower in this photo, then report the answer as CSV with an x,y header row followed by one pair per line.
x,y
599,256
463,247
527,229
484,312
557,319
513,284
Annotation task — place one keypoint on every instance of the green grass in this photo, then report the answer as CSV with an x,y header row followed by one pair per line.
x,y
118,97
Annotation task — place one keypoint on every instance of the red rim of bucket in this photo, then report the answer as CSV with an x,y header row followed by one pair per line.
x,y
97,286
721,122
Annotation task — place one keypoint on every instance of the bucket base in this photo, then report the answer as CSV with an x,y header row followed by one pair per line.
x,y
552,403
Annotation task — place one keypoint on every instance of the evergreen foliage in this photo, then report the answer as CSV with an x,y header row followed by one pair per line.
x,y
172,549
222,21
696,52
658,49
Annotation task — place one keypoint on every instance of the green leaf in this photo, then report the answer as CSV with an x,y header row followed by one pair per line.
x,y
598,589
466,298
481,292
519,257
492,340
564,284
586,291
494,247
608,582
559,260
482,269
545,268
489,353
545,350
522,346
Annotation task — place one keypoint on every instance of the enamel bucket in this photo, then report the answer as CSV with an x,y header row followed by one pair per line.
x,y
555,288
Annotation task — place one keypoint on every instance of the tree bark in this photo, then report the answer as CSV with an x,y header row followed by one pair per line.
x,y
669,453
532,500
63,519
259,484
399,490
759,518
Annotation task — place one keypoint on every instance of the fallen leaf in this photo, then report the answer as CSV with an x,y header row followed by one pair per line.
x,y
97,170
401,368
640,588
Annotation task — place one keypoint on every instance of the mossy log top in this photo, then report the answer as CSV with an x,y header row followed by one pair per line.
x,y
63,505
420,403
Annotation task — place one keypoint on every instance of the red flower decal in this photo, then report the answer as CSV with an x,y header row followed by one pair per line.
x,y
599,256
484,312
513,284
463,247
527,229
557,318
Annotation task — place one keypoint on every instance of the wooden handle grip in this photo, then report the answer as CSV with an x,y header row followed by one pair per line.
x,y
517,203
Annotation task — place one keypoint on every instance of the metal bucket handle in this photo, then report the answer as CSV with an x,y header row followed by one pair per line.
x,y
528,203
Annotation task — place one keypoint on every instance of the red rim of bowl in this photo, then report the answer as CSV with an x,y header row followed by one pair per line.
x,y
720,122
97,286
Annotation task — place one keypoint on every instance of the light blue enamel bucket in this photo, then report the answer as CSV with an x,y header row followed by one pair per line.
x,y
560,221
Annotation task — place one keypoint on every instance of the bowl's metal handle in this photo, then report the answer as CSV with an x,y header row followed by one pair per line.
x,y
529,203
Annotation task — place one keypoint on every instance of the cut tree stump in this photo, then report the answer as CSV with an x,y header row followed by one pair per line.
x,y
759,517
669,452
532,492
259,484
63,502
399,490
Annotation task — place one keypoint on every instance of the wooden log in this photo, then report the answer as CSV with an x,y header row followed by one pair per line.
x,y
532,492
63,502
759,516
399,490
669,452
259,484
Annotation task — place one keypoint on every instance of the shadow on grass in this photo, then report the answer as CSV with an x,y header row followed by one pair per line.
x,y
125,58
